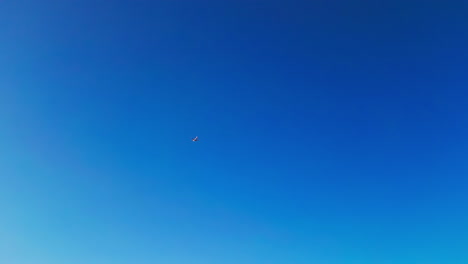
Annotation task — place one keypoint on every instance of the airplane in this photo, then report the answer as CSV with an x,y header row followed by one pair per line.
x,y
195,139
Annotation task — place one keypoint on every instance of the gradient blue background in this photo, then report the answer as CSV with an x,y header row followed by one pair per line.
x,y
331,132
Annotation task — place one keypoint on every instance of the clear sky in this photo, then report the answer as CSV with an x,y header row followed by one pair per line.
x,y
331,132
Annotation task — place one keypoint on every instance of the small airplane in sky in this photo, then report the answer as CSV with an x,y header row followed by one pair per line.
x,y
195,139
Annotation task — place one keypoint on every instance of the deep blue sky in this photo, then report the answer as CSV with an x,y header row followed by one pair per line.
x,y
331,132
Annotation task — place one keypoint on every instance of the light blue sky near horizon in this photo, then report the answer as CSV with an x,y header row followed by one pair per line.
x,y
330,132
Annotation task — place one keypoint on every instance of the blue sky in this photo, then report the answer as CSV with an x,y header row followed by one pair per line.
x,y
331,132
